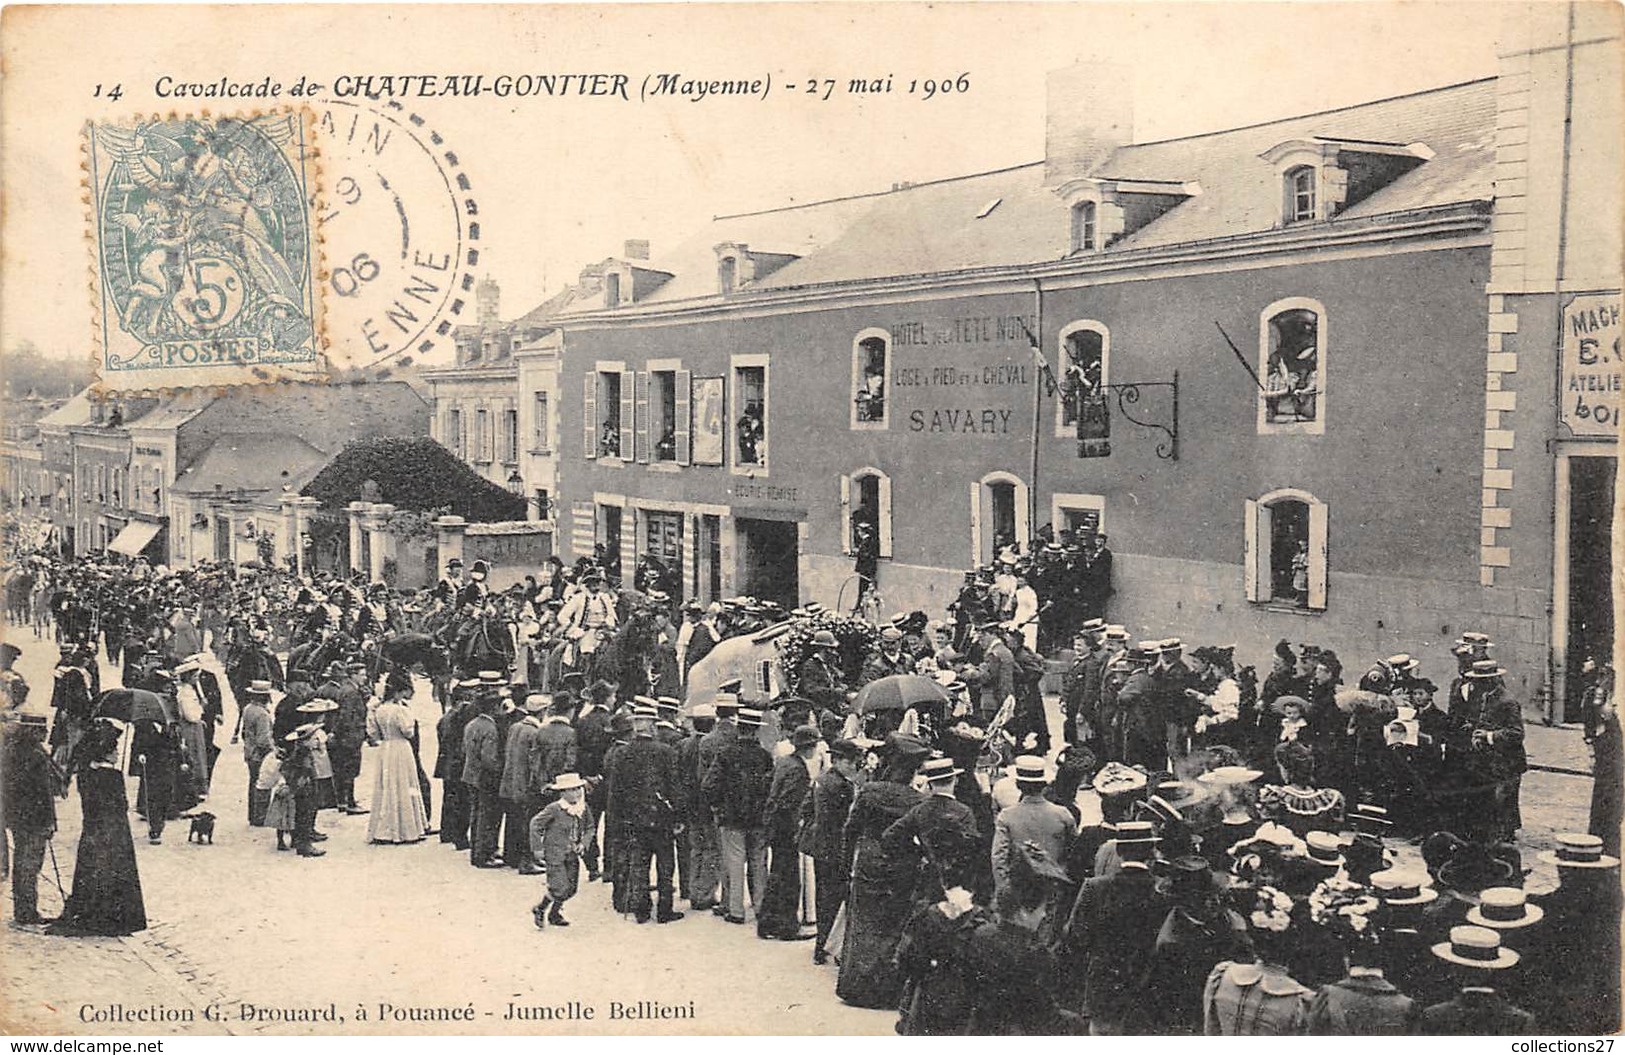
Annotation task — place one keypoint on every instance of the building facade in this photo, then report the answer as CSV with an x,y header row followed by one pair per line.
x,y
1320,473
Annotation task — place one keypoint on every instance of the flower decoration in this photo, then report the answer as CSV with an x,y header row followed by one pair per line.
x,y
1343,907
1272,910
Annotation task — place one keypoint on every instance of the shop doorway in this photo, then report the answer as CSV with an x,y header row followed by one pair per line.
x,y
769,559
1590,616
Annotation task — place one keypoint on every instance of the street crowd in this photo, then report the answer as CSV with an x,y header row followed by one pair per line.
x,y
1194,852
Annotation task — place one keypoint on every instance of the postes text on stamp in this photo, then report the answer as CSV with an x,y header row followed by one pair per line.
x,y
205,259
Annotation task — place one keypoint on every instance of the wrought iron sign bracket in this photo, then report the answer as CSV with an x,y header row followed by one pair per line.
x,y
1129,395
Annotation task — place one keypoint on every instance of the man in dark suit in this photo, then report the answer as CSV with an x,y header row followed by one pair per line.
x,y
482,773
642,782
1491,723
778,918
1477,1010
736,787
521,791
823,818
592,743
704,856
28,803
455,797
707,837
941,830
995,677
1113,929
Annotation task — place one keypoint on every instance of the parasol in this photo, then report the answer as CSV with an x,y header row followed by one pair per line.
x,y
135,705
898,692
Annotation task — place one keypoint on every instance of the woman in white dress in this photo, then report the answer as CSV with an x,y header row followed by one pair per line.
x,y
398,814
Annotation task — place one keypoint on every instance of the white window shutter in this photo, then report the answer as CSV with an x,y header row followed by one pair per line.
x,y
885,516
1317,555
685,413
846,514
629,384
642,420
589,411
1249,554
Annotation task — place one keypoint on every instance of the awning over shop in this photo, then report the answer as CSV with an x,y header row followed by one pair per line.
x,y
134,538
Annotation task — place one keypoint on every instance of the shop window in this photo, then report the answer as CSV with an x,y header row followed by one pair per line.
x,y
1299,193
751,427
871,354
866,510
510,435
1285,550
1085,226
1084,352
663,539
1292,365
539,442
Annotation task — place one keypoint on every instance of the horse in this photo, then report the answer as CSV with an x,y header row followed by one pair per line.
x,y
484,643
416,652
626,657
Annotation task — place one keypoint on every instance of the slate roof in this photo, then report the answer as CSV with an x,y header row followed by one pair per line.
x,y
254,461
934,227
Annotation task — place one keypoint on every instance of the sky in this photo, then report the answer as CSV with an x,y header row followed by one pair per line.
x,y
562,183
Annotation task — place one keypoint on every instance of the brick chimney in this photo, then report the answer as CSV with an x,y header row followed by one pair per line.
x,y
488,296
1090,114
635,249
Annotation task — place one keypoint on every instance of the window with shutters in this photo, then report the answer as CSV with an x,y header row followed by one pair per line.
x,y
663,414
540,443
608,398
1292,367
1084,356
752,425
871,361
452,436
866,505
482,435
510,436
1285,550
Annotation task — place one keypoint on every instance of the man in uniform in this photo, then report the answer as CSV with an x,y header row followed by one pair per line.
x,y
587,617
643,793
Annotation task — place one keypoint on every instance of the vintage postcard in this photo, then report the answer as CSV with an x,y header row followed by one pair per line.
x,y
843,519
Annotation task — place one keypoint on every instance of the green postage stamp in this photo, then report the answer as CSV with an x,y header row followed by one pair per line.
x,y
206,260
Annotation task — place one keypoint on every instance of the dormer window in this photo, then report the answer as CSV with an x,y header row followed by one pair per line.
x,y
1300,194
1085,228
1320,176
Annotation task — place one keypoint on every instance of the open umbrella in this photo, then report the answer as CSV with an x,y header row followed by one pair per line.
x,y
898,692
135,705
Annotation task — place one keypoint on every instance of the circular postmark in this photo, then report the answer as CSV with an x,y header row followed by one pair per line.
x,y
400,233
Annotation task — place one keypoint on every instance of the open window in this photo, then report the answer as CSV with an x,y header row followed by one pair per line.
x,y
1084,350
452,435
999,516
866,511
1299,194
669,435
1285,550
1085,227
1292,367
751,426
871,363
607,412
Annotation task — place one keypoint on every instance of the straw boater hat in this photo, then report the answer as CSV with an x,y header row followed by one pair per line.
x,y
1578,850
645,708
567,781
1030,770
1476,947
1231,775
1504,908
319,705
750,716
258,688
1486,668
1324,849
190,663
538,701
1397,887
936,769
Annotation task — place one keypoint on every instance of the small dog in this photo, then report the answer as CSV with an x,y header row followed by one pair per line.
x,y
202,829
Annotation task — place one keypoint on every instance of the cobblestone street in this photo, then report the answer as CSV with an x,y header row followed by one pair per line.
x,y
414,927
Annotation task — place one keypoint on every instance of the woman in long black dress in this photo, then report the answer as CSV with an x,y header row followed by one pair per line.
x,y
106,897
882,886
